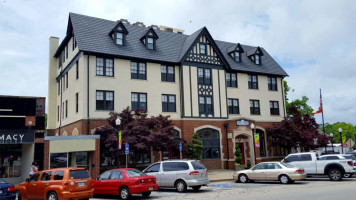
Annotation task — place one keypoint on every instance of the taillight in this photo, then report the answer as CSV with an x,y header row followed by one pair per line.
x,y
11,189
284,161
349,163
299,171
206,172
355,164
194,173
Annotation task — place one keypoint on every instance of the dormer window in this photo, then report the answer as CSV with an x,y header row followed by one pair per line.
x,y
257,59
235,52
118,34
119,38
150,43
237,56
202,49
255,54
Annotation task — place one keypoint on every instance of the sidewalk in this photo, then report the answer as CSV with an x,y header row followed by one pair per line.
x,y
220,175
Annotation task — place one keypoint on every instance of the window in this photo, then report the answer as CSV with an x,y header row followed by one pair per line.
x,y
104,67
116,174
175,166
168,103
202,48
305,157
67,51
237,56
66,77
231,80
77,70
58,113
233,105
167,73
274,108
205,105
104,100
63,110
35,177
66,108
257,59
260,166
60,62
254,107
138,70
153,168
292,158
262,142
73,43
272,83
143,158
105,175
138,101
76,102
197,165
119,38
134,173
204,76
59,87
46,176
252,82
79,174
150,43
211,143
58,175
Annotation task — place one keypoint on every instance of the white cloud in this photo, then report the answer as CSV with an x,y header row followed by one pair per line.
x,y
312,40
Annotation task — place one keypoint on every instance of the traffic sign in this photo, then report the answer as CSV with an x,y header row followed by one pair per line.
x,y
180,147
127,149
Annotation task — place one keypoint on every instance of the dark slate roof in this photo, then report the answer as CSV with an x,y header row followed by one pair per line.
x,y
92,36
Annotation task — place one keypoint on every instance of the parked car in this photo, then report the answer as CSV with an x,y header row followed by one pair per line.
x,y
59,183
339,157
313,165
353,158
124,182
7,191
179,174
270,171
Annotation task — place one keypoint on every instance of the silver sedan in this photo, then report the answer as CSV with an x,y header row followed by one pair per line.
x,y
271,171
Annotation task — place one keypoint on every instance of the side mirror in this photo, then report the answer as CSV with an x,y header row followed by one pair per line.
x,y
27,180
144,171
97,178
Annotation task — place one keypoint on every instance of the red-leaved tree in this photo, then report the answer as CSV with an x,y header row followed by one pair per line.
x,y
297,131
141,132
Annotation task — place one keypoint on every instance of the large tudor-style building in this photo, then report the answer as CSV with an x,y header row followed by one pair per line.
x,y
215,88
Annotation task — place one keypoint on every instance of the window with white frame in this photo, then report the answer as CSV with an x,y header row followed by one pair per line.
x,y
104,67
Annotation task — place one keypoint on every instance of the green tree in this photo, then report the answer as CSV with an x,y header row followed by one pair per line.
x,y
300,104
348,130
195,148
238,155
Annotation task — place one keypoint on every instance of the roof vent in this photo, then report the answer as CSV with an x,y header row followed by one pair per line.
x,y
153,26
124,21
139,24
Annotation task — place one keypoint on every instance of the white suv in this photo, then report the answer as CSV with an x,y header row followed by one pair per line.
x,y
179,174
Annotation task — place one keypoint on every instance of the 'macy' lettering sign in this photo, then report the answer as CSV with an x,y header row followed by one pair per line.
x,y
17,137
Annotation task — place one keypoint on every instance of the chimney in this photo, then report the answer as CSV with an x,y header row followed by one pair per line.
x,y
124,21
139,24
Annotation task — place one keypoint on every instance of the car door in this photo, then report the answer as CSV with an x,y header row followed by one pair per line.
x,y
169,174
272,172
42,184
101,183
115,181
307,164
155,170
258,172
293,160
32,188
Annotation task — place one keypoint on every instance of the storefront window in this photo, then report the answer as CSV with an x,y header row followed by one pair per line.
x,y
211,143
60,160
82,159
10,160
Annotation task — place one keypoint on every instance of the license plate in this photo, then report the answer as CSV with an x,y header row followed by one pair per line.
x,y
80,184
150,188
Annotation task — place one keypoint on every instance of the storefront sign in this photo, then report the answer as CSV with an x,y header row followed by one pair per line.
x,y
17,137
242,123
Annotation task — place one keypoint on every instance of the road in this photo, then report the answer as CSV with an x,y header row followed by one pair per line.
x,y
312,188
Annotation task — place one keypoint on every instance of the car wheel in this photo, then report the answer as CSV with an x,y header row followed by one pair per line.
x,y
196,188
181,186
284,179
52,196
335,174
124,193
347,175
146,194
18,195
243,178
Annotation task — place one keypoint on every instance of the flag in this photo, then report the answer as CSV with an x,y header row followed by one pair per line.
x,y
257,140
320,110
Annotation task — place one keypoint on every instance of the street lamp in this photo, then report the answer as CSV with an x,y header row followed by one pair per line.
x,y
340,131
117,122
332,144
253,140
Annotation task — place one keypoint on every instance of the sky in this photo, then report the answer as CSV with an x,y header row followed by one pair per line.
x,y
313,40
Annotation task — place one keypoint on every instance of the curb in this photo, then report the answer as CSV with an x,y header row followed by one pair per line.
x,y
218,180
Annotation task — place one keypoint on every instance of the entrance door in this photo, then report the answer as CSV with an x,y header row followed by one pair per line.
x,y
241,145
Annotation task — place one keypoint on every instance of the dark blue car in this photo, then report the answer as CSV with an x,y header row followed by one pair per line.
x,y
7,191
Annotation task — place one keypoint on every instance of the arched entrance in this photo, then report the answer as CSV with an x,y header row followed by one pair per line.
x,y
211,143
243,141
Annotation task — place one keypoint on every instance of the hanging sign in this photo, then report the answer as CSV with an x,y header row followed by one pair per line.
x,y
344,141
127,149
180,147
257,140
119,136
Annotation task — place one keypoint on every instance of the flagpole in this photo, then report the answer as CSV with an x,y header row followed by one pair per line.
x,y
322,115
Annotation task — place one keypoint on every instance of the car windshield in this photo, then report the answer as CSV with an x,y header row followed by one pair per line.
x,y
287,165
134,173
197,165
79,174
347,156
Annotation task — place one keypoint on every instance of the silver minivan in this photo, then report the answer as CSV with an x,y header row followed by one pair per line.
x,y
179,174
